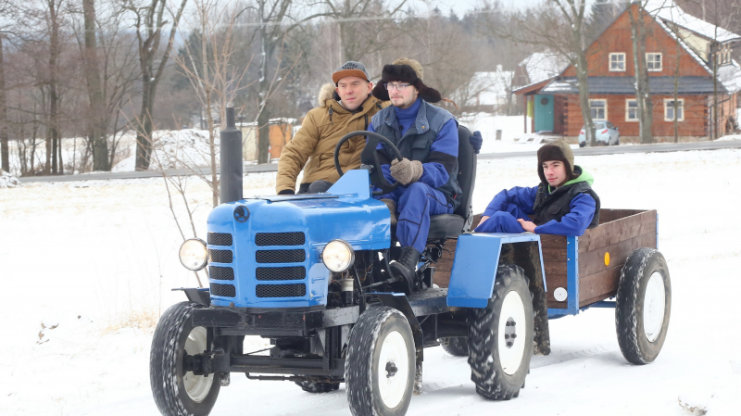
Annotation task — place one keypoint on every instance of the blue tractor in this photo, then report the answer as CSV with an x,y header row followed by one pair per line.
x,y
310,273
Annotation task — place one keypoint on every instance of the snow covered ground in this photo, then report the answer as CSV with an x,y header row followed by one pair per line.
x,y
89,265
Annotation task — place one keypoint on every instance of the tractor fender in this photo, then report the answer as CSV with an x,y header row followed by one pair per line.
x,y
477,257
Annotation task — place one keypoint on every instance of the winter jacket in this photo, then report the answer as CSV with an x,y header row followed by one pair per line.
x,y
312,149
426,133
567,210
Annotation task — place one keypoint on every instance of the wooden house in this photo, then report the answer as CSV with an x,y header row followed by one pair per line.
x,y
691,75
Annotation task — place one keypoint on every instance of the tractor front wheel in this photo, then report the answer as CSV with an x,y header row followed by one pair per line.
x,y
380,364
177,391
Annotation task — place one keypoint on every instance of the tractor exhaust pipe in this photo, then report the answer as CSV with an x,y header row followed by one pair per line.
x,y
230,187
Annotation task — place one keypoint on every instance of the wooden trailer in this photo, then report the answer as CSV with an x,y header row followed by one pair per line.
x,y
584,270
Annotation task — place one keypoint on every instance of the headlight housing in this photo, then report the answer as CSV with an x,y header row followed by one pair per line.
x,y
338,256
193,254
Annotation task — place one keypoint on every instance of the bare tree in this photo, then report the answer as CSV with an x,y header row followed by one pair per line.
x,y
4,148
573,12
638,29
96,114
209,63
560,27
151,20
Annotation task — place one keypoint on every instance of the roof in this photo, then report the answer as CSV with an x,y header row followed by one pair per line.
x,y
668,11
531,88
541,66
730,76
625,85
489,88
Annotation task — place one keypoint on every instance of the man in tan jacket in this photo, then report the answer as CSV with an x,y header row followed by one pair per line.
x,y
349,107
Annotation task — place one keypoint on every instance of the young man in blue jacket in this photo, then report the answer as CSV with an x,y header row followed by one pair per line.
x,y
563,203
427,137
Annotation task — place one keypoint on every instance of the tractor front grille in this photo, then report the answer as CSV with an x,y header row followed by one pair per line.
x,y
272,251
220,256
280,256
281,273
292,251
220,273
281,291
280,239
223,290
219,239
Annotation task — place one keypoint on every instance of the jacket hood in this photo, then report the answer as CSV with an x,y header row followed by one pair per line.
x,y
326,92
581,176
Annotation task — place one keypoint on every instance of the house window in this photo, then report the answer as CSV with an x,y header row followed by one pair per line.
x,y
673,109
617,62
631,110
598,109
653,61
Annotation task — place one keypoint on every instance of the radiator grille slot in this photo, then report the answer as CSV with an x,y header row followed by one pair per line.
x,y
221,273
281,273
222,290
219,239
280,256
280,239
220,256
281,291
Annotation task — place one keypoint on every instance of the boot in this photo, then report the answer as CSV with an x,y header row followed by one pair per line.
x,y
406,266
391,205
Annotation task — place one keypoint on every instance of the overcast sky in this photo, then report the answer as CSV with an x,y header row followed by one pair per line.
x,y
463,6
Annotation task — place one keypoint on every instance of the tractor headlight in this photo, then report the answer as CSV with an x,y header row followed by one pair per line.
x,y
193,254
338,256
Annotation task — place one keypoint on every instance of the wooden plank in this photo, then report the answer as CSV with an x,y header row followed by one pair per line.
x,y
622,232
444,265
598,286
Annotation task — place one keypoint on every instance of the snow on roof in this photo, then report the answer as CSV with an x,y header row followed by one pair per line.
x,y
540,66
490,88
683,44
668,11
730,76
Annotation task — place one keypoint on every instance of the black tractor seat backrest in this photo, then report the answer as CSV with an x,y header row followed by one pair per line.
x,y
451,225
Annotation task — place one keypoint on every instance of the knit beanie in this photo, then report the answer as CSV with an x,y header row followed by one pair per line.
x,y
405,70
558,150
350,69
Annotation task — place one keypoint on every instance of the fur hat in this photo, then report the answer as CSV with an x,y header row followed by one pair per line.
x,y
405,70
558,150
350,69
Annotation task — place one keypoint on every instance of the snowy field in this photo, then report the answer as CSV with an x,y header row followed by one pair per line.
x,y
90,264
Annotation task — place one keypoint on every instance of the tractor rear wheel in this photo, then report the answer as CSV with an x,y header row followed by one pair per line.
x,y
455,346
643,305
313,386
500,338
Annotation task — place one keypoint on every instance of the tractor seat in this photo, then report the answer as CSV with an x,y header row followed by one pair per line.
x,y
445,226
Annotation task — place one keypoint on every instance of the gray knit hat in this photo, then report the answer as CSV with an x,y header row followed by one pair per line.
x,y
350,69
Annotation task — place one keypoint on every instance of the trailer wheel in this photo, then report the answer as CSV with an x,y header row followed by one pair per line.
x,y
176,391
313,386
643,305
455,346
500,338
380,363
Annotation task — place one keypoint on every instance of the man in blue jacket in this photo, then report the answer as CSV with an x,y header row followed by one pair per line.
x,y
563,203
427,137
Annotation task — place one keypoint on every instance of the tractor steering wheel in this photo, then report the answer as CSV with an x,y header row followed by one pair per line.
x,y
370,152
